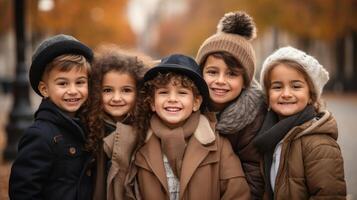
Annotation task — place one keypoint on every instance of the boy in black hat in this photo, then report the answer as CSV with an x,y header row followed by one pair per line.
x,y
50,159
182,157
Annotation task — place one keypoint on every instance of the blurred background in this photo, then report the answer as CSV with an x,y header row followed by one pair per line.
x,y
326,29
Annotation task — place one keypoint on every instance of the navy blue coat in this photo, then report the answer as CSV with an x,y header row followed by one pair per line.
x,y
51,162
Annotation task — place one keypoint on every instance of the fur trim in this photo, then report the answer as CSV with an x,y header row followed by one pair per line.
x,y
242,111
237,23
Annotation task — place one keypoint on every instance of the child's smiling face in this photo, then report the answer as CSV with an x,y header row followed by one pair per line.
x,y
67,89
224,84
118,94
174,103
288,91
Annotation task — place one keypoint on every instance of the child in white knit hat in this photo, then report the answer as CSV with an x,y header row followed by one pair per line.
x,y
302,159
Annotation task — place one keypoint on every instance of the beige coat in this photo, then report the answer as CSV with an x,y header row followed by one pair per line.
x,y
210,169
311,164
119,146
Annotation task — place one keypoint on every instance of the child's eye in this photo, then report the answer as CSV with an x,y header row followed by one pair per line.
x,y
211,72
275,87
62,83
232,74
127,90
183,92
297,85
107,90
81,82
162,92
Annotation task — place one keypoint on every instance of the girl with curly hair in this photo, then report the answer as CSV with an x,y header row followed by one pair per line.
x,y
113,90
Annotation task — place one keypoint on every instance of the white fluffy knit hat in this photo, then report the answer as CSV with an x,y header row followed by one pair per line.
x,y
316,72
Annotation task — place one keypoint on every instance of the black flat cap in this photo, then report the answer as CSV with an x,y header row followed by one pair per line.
x,y
181,64
51,48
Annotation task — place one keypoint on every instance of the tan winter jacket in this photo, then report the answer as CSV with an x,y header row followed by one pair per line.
x,y
311,164
119,146
210,169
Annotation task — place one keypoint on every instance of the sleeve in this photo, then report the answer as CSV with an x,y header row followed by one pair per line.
x,y
31,166
233,184
324,171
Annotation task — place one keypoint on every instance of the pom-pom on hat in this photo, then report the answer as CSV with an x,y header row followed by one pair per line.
x,y
235,31
181,64
51,48
316,72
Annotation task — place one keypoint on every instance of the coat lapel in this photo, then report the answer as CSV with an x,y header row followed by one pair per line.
x,y
195,154
152,154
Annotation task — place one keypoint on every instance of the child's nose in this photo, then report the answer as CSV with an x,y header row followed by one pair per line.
x,y
72,89
221,79
117,96
172,96
286,92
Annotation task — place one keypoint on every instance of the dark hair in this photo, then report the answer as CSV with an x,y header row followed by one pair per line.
x,y
143,110
232,63
107,58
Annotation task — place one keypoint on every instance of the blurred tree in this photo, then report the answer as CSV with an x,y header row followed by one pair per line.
x,y
91,21
5,16
330,21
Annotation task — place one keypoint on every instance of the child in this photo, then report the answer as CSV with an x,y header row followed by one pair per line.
x,y
182,156
227,61
115,78
302,159
50,159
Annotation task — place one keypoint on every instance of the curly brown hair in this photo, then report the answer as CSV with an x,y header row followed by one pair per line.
x,y
143,110
107,58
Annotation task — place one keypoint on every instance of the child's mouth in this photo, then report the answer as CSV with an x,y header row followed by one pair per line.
x,y
72,100
172,109
219,91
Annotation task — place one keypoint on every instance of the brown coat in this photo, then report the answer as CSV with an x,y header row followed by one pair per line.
x,y
210,169
119,146
240,122
311,164
242,144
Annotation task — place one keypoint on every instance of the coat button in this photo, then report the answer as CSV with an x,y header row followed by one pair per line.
x,y
72,150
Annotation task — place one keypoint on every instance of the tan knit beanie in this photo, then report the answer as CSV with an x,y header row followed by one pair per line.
x,y
235,31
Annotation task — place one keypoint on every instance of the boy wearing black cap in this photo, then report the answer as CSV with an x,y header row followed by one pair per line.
x,y
50,159
182,157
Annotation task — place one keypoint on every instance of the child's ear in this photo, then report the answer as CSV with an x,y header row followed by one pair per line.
x,y
197,103
43,89
152,106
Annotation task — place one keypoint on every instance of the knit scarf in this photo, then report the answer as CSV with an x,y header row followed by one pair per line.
x,y
241,112
273,131
173,141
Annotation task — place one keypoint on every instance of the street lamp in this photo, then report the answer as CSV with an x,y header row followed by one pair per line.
x,y
21,113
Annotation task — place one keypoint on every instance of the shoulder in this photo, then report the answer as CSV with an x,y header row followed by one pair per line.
x,y
42,129
317,146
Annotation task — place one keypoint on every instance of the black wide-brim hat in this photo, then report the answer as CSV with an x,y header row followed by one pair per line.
x,y
51,48
184,65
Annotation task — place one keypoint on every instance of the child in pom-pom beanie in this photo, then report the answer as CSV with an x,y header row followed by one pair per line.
x,y
302,159
227,61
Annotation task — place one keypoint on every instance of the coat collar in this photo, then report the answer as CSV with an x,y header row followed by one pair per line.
x,y
325,123
199,146
204,132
